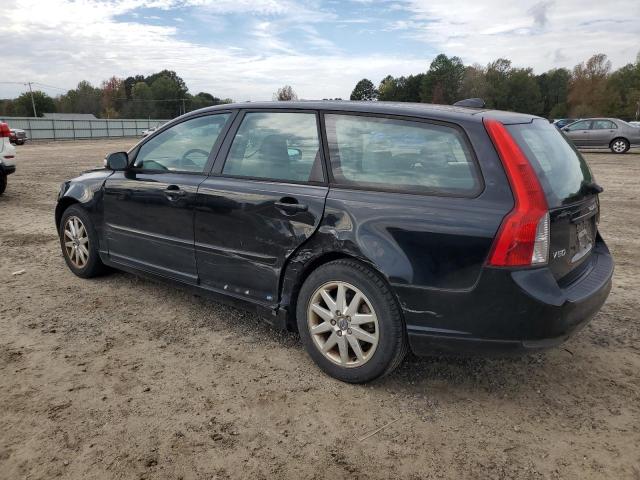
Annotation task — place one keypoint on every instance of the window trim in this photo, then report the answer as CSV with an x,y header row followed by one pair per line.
x,y
588,122
422,191
223,154
133,153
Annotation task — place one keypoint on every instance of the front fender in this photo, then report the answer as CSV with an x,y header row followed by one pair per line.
x,y
85,190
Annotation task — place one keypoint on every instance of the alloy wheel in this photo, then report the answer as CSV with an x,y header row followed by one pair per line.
x,y
76,242
343,324
619,146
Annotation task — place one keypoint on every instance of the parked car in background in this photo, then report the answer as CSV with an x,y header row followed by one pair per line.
x,y
611,133
18,136
562,122
368,227
7,156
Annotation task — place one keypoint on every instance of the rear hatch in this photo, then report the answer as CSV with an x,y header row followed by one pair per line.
x,y
571,195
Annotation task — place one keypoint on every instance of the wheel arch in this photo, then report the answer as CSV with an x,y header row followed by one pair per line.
x,y
299,269
620,138
63,204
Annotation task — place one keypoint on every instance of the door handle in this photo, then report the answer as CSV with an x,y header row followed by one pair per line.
x,y
291,205
173,192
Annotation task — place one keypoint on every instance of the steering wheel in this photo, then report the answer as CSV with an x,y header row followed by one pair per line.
x,y
185,160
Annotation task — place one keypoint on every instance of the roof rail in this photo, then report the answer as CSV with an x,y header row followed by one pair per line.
x,y
470,102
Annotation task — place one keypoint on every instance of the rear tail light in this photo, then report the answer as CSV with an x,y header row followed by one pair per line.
x,y
5,131
523,237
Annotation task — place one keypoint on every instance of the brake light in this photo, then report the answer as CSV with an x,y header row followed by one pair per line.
x,y
523,237
5,131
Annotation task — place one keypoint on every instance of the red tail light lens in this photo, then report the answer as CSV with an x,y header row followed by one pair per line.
x,y
4,130
523,237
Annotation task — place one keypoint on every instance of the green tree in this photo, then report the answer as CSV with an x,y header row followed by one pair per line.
x,y
497,78
554,88
364,90
443,80
142,101
24,107
85,98
524,92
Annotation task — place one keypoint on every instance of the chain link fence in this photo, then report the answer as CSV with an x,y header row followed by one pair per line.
x,y
55,129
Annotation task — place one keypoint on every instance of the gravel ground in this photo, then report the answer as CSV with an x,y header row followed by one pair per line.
x,y
120,377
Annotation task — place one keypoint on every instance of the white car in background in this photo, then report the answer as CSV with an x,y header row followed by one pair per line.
x,y
149,131
635,124
7,156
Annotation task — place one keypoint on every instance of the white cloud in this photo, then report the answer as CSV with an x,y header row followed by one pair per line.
x,y
62,42
530,33
59,42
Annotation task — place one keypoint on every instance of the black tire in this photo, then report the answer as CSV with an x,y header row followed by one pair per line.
x,y
392,342
3,182
20,142
93,266
616,143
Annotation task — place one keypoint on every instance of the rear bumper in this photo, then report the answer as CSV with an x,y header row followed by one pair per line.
x,y
506,311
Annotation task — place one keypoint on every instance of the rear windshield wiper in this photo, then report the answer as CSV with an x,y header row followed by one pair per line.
x,y
591,188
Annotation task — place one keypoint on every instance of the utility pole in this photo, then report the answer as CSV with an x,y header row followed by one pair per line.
x,y
33,103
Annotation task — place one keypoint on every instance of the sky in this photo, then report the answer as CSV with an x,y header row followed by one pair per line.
x,y
246,49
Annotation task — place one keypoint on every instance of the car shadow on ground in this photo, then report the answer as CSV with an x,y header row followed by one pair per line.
x,y
493,373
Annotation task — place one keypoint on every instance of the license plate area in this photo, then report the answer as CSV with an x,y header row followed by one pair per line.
x,y
584,238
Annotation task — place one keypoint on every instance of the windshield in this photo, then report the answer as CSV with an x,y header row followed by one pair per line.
x,y
560,167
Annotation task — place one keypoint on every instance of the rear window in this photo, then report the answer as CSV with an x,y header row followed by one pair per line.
x,y
560,167
400,155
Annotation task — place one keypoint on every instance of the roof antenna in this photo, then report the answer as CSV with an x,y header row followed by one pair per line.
x,y
470,102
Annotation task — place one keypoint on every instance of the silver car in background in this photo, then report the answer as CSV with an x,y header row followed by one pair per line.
x,y
611,133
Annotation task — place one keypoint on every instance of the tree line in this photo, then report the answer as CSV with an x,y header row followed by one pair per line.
x,y
590,89
159,95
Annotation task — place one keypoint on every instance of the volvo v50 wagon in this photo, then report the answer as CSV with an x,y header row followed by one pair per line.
x,y
370,228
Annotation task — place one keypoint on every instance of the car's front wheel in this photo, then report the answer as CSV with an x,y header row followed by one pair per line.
x,y
350,323
3,182
79,242
619,145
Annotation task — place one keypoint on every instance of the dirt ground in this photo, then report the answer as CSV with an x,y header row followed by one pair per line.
x,y
120,377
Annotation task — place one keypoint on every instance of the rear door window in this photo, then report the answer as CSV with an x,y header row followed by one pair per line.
x,y
400,155
276,146
603,125
560,167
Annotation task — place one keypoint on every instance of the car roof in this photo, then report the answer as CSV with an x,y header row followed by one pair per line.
x,y
420,110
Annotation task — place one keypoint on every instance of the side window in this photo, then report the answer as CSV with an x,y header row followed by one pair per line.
x,y
399,154
276,146
185,147
603,125
584,125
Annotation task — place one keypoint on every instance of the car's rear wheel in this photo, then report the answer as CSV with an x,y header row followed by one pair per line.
x,y
350,323
3,182
619,145
79,242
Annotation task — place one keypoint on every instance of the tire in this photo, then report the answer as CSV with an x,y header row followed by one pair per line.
x,y
619,145
376,316
3,182
84,265
20,142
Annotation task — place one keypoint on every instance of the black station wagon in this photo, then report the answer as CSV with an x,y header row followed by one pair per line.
x,y
370,228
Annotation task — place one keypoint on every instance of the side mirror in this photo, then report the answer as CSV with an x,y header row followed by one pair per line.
x,y
565,129
295,154
117,161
